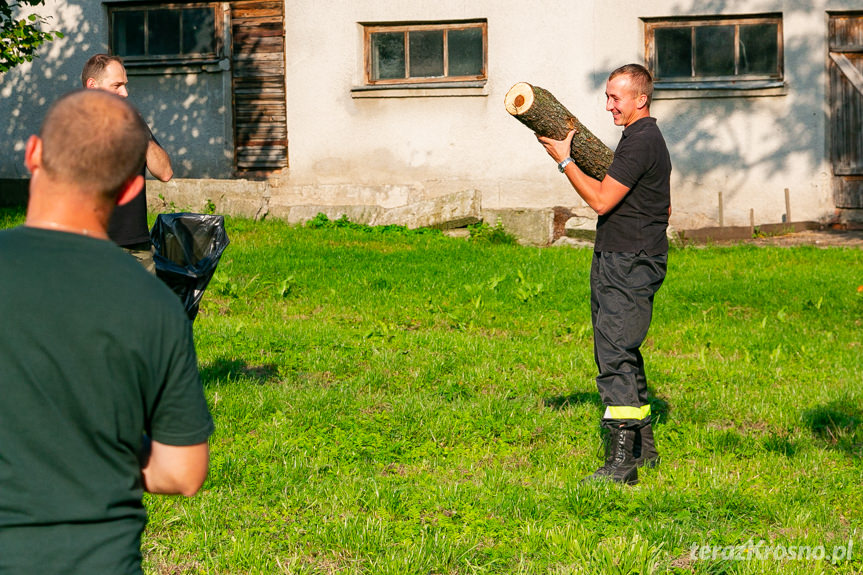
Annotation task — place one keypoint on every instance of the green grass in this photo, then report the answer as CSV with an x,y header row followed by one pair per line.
x,y
403,403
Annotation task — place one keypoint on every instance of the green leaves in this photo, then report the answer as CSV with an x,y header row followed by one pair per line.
x,y
483,232
526,290
20,39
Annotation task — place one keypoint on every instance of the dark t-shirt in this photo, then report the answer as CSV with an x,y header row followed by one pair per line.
x,y
94,352
128,225
639,222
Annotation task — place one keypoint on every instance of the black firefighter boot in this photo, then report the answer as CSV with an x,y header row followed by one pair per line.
x,y
644,448
620,466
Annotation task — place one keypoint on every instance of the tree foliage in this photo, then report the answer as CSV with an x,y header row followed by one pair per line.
x,y
21,38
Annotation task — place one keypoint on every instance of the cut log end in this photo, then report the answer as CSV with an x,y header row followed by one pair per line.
x,y
519,99
544,115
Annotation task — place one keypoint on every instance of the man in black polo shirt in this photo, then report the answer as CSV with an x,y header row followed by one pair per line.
x,y
629,263
128,228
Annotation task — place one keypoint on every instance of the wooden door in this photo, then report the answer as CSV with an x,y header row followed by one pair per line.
x,y
260,101
846,107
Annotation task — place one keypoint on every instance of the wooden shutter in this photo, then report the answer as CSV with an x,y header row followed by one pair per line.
x,y
846,108
260,103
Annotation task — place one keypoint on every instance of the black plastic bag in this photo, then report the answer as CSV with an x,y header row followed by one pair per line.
x,y
188,247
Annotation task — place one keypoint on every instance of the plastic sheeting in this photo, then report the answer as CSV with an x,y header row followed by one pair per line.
x,y
188,247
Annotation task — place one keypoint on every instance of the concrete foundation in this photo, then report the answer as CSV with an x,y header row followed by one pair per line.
x,y
399,205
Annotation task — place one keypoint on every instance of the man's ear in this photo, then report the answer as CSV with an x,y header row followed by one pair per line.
x,y
33,154
130,189
642,100
91,83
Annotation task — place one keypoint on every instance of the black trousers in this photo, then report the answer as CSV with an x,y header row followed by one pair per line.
x,y
622,286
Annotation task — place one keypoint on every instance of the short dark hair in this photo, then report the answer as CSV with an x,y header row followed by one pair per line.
x,y
95,66
94,140
642,80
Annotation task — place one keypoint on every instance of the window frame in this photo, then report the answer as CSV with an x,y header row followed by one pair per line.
x,y
147,60
406,28
735,82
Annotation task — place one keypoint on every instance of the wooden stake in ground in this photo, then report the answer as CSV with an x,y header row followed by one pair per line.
x,y
540,111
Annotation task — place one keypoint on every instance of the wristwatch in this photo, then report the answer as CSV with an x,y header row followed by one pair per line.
x,y
562,166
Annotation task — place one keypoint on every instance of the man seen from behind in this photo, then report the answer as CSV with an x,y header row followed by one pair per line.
x,y
101,396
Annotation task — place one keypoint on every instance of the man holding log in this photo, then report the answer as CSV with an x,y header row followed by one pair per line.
x,y
629,263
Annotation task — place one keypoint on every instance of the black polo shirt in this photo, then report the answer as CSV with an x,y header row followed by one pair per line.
x,y
128,225
641,163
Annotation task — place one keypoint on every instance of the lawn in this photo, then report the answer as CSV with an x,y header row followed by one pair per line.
x,y
395,403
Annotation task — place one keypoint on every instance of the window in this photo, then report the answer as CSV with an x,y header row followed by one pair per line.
x,y
715,52
405,54
169,32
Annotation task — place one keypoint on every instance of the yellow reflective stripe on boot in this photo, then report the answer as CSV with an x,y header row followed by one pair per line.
x,y
626,412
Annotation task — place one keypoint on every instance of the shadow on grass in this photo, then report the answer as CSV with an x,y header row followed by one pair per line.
x,y
780,443
224,370
839,424
562,402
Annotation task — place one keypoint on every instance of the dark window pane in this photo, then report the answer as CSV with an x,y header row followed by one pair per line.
x,y
759,49
163,32
714,51
464,49
426,50
388,55
673,52
128,31
199,31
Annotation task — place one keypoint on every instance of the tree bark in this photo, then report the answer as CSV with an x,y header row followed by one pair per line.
x,y
540,111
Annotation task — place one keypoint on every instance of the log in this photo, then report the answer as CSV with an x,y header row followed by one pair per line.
x,y
540,111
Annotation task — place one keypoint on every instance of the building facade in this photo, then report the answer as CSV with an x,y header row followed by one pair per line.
x,y
393,112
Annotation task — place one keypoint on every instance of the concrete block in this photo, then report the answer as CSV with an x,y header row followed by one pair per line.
x,y
225,197
445,212
580,227
529,226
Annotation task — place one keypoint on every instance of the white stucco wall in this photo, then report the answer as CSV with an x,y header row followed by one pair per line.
x,y
390,151
748,148
428,145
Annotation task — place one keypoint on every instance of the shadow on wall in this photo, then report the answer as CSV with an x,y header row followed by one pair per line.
x,y
186,110
27,91
711,140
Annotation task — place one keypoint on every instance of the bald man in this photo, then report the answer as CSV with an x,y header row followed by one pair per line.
x,y
101,396
128,227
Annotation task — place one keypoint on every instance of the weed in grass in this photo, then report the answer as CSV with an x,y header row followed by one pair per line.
x,y
526,291
497,234
11,217
322,221
169,207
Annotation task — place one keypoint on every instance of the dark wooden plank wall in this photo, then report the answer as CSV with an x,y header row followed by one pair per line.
x,y
846,110
260,108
